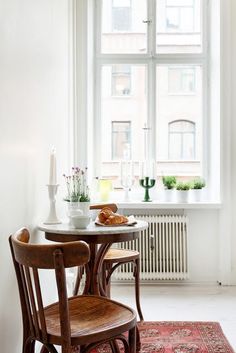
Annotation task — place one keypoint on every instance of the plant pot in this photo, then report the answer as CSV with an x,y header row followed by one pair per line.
x,y
72,207
72,210
84,207
196,195
182,196
168,195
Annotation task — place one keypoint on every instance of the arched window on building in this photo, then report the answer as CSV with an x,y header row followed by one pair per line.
x,y
182,140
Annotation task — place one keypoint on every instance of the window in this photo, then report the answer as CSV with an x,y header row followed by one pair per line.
x,y
182,140
181,80
179,26
121,80
180,15
121,15
121,140
165,92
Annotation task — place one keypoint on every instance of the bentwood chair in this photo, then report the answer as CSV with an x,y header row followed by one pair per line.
x,y
80,321
113,259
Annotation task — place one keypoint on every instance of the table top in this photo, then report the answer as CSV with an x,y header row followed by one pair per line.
x,y
93,233
65,228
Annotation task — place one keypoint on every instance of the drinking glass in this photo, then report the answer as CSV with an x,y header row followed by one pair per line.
x,y
126,177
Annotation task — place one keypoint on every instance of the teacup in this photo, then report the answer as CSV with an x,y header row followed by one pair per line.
x,y
80,221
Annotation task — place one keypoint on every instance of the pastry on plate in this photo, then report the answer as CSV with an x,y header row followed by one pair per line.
x,y
104,214
116,219
107,217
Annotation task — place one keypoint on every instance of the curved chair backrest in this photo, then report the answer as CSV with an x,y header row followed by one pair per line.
x,y
28,259
112,206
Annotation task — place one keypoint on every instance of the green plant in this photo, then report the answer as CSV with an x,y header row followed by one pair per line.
x,y
198,184
183,185
84,198
169,181
76,184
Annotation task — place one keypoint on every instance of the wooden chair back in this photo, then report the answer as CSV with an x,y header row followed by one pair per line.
x,y
28,259
112,206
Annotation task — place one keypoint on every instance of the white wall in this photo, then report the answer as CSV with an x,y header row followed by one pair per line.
x,y
33,118
233,135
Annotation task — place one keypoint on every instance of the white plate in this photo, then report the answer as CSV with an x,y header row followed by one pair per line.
x,y
131,222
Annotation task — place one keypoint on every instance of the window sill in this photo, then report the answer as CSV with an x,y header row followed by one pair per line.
x,y
155,204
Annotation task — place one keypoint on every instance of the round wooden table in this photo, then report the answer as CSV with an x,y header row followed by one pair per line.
x,y
99,239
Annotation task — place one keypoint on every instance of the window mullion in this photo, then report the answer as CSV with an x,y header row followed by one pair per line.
x,y
151,27
97,120
151,101
98,26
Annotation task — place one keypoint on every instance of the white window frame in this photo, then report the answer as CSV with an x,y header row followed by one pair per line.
x,y
217,126
151,59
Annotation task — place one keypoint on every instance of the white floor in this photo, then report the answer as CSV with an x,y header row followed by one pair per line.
x,y
185,303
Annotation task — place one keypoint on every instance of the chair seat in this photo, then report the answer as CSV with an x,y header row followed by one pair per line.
x,y
120,255
93,317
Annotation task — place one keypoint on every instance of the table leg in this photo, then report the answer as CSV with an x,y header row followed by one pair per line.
x,y
93,283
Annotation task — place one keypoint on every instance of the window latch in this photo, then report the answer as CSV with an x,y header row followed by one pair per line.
x,y
147,21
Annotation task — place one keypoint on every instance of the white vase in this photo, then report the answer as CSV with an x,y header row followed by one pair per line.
x,y
182,196
84,207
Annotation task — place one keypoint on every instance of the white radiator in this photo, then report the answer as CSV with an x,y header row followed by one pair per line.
x,y
163,249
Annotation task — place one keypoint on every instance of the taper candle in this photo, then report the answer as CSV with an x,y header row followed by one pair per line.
x,y
52,168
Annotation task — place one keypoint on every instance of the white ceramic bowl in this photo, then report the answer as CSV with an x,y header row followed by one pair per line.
x,y
80,221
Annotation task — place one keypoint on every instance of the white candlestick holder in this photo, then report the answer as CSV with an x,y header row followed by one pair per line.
x,y
52,217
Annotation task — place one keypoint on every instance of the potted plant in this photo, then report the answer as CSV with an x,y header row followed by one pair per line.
x,y
77,191
182,191
169,183
196,189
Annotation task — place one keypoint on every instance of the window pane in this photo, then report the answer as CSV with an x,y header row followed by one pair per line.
x,y
122,117
181,80
121,19
180,2
175,146
182,140
188,146
123,30
121,3
121,140
179,26
179,119
172,18
121,80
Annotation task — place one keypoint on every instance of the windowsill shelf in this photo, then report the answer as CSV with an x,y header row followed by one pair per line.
x,y
155,204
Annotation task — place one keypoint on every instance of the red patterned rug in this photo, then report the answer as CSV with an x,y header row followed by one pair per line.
x,y
180,337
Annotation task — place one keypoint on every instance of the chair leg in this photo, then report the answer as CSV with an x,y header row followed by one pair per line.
x,y
48,348
132,340
109,269
80,272
107,280
138,342
137,288
28,345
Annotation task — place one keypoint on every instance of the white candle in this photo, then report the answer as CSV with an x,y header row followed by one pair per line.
x,y
52,169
